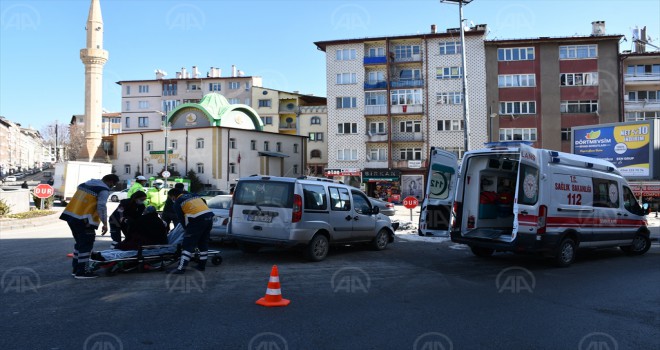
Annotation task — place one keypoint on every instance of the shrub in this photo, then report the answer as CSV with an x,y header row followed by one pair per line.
x,y
4,207
48,202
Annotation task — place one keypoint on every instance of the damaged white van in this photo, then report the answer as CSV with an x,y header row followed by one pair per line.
x,y
513,197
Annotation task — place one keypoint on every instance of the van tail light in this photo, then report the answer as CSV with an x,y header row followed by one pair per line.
x,y
297,208
457,216
543,215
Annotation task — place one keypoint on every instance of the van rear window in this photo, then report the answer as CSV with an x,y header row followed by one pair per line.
x,y
264,193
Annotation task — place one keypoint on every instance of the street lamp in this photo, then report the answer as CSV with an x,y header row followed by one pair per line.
x,y
466,110
166,127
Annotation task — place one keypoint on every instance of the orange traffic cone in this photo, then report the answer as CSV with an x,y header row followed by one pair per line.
x,y
273,292
70,255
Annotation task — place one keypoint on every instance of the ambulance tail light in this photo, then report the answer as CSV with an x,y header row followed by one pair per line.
x,y
297,208
543,215
457,216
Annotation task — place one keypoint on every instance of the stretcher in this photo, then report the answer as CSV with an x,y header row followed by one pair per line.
x,y
148,257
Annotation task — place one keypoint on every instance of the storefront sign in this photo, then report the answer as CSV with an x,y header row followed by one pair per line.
x,y
371,175
414,164
342,172
646,190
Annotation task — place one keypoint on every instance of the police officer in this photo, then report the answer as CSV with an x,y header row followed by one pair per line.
x,y
86,210
138,185
197,221
168,209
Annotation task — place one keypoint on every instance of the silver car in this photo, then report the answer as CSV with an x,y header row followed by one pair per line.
x,y
220,205
386,208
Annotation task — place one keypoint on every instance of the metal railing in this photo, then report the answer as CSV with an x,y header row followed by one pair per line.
x,y
375,109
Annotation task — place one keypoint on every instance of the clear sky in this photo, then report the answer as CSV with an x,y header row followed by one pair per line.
x,y
42,77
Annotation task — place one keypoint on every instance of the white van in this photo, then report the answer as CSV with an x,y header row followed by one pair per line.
x,y
513,197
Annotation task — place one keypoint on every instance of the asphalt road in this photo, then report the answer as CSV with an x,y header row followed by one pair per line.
x,y
415,295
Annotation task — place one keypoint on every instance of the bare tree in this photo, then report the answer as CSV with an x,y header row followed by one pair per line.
x,y
76,141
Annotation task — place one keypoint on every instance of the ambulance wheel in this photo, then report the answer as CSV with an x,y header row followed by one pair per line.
x,y
640,245
317,249
216,260
482,252
566,253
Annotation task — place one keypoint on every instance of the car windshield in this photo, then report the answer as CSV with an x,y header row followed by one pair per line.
x,y
264,193
219,202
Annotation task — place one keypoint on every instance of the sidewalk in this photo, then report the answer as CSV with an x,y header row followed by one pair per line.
x,y
8,224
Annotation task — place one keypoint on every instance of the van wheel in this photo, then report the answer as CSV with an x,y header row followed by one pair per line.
x,y
566,253
640,245
317,249
248,247
381,240
482,252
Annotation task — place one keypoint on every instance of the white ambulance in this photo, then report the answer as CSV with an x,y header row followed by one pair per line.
x,y
513,197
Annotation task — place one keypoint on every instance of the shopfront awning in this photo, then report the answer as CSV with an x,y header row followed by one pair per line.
x,y
273,154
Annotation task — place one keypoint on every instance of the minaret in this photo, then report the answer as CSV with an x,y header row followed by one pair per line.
x,y
93,57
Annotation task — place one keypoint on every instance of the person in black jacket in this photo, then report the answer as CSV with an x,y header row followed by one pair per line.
x,y
128,210
146,229
169,215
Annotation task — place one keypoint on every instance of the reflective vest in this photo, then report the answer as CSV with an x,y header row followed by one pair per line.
x,y
192,207
83,205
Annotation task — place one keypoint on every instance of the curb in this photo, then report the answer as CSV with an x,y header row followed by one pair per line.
x,y
14,224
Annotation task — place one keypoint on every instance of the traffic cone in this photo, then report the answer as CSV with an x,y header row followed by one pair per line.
x,y
273,292
70,255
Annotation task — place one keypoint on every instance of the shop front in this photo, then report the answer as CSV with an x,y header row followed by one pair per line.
x,y
349,176
647,193
383,184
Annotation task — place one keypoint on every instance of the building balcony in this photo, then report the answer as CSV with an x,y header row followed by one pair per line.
x,y
375,60
408,137
642,79
375,85
641,105
409,164
287,126
407,109
407,83
380,137
375,109
286,109
376,163
413,58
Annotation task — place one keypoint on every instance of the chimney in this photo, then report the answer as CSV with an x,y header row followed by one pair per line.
x,y
184,73
195,72
233,70
598,28
178,75
160,74
432,28
218,72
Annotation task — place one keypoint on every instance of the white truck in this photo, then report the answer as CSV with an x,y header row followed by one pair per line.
x,y
68,175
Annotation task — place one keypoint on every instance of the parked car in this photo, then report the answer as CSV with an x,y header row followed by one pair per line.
x,y
209,194
19,175
386,208
10,178
118,195
220,205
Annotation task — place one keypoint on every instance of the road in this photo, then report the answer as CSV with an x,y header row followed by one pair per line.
x,y
417,295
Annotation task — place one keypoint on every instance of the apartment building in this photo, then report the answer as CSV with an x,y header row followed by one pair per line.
x,y
293,113
110,122
21,149
539,88
392,98
641,89
144,103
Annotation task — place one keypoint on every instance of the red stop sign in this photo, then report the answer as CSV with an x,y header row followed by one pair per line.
x,y
410,202
43,191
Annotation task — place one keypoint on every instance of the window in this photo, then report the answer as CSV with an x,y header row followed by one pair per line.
x,y
199,143
411,154
635,116
173,167
193,87
578,79
346,78
518,134
345,54
295,148
630,202
377,154
315,136
315,153
200,168
347,154
376,52
449,98
347,128
376,77
247,101
448,72
589,106
346,102
314,197
232,168
234,101
406,97
266,146
115,120
234,85
265,103
115,131
232,143
174,144
278,147
127,122
450,48
406,51
361,203
606,193
128,106
247,86
150,168
143,122
143,89
565,134
515,54
377,128
339,199
410,126
529,176
215,87
295,168
169,89
644,70
375,99
169,105
128,89
315,121
578,52
458,151
648,95
267,120
516,80
150,145
450,125
127,146
410,74
127,169
253,145
518,107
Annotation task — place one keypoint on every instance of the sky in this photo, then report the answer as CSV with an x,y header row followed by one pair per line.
x,y
42,77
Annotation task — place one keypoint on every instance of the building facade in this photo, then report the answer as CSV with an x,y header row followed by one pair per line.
x,y
539,88
110,122
21,149
392,98
641,89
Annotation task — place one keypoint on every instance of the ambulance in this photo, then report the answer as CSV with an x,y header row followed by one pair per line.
x,y
513,197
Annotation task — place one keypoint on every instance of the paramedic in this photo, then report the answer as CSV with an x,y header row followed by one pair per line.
x,y
128,210
138,185
168,209
197,221
86,210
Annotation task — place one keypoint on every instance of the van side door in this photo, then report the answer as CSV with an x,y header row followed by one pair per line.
x,y
341,213
528,192
364,222
608,212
